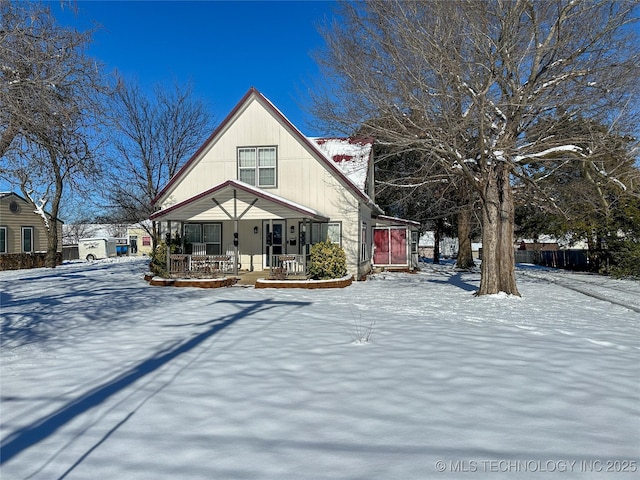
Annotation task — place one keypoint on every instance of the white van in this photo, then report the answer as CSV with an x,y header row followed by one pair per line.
x,y
96,248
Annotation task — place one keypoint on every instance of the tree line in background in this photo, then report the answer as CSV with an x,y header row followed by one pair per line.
x,y
490,117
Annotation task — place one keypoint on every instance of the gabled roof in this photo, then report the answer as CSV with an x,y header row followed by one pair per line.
x,y
253,93
14,194
4,195
252,191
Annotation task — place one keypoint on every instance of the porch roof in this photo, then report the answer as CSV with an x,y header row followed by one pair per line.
x,y
387,220
234,199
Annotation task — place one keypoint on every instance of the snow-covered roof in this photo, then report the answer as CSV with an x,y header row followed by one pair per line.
x,y
398,220
350,155
9,194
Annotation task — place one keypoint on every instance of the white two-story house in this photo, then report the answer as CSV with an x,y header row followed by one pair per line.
x,y
259,192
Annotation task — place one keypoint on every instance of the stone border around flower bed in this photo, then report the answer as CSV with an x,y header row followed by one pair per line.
x,y
190,282
308,284
260,283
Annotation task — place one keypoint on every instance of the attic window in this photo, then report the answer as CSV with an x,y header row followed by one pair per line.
x,y
257,166
13,207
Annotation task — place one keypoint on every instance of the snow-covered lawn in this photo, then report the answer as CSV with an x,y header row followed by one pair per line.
x,y
105,377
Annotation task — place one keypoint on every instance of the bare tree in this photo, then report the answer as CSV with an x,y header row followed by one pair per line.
x,y
155,135
465,81
49,109
72,233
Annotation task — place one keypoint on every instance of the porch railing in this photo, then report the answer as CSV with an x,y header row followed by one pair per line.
x,y
201,266
288,267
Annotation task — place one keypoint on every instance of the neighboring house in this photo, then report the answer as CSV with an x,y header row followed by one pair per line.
x,y
139,241
23,237
260,191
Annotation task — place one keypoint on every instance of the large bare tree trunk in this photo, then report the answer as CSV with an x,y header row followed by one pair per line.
x,y
465,254
498,258
52,247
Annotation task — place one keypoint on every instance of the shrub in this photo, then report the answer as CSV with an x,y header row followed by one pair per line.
x,y
158,264
626,259
328,261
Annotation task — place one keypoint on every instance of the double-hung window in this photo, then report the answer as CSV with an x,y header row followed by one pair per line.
x,y
363,244
257,166
27,239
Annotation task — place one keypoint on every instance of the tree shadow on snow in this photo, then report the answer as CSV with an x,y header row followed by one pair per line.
x,y
456,281
26,437
78,299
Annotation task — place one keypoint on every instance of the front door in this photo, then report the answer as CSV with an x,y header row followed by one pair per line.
x,y
273,240
398,244
381,250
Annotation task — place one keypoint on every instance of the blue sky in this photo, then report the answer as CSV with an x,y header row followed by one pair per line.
x,y
223,47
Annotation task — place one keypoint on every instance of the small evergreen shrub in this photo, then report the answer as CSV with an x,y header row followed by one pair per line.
x,y
328,261
158,264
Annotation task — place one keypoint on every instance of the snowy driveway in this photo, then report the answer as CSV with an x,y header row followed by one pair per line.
x,y
104,377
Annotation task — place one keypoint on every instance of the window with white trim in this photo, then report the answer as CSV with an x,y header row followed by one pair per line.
x,y
321,232
209,234
3,239
27,239
363,243
414,242
257,166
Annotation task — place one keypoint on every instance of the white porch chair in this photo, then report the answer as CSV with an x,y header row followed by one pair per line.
x,y
232,258
198,249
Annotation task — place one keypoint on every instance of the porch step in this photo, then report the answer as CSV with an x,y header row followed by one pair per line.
x,y
249,278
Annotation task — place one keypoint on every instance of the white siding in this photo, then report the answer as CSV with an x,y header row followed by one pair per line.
x,y
301,177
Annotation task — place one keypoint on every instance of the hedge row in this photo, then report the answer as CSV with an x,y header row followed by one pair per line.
x,y
18,261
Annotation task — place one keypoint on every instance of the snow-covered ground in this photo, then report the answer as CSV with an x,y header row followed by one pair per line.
x,y
105,377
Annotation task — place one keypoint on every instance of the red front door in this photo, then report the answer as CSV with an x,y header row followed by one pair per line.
x,y
381,242
398,246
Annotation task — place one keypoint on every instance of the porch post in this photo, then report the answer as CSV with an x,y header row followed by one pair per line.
x,y
169,247
270,249
236,240
307,238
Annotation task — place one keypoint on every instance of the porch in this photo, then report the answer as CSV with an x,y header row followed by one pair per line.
x,y
234,228
282,267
